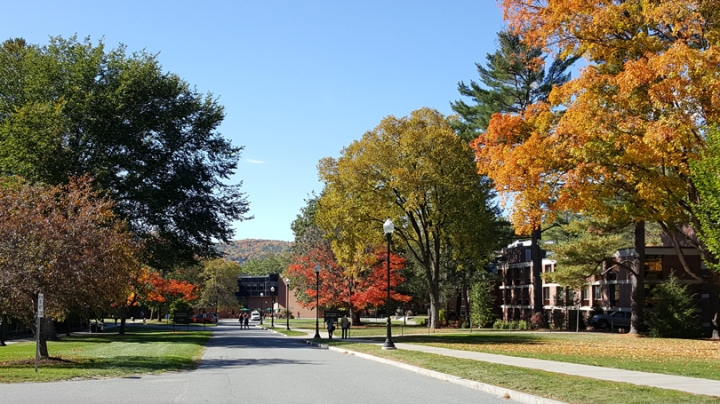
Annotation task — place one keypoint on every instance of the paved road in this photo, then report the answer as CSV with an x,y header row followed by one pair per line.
x,y
257,366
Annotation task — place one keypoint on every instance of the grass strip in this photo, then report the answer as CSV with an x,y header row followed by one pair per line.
x,y
289,333
569,389
680,357
104,355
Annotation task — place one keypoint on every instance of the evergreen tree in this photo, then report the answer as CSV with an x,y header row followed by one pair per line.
x,y
513,79
673,314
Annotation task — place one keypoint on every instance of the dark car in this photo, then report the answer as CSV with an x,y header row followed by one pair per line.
x,y
618,319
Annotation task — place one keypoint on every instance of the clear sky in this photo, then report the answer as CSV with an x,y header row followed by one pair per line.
x,y
299,80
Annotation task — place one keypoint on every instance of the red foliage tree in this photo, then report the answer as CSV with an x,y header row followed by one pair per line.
x,y
338,290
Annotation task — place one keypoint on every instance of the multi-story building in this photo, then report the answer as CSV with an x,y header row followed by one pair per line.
x,y
608,291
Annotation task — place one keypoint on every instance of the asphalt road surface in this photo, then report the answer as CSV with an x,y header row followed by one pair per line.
x,y
257,366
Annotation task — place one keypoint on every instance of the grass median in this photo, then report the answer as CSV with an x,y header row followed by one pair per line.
x,y
681,357
569,389
104,355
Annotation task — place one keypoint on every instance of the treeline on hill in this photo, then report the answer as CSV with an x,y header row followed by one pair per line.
x,y
245,250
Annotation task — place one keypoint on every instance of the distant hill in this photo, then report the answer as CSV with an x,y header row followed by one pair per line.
x,y
251,249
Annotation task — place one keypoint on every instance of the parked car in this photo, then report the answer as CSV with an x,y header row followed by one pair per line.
x,y
618,319
204,318
255,316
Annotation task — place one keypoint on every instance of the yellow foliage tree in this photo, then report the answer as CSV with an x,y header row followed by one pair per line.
x,y
417,172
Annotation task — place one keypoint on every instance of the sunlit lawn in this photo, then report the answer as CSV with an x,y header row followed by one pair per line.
x,y
103,355
569,389
694,358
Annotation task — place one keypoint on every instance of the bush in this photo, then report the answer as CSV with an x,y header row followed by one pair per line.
x,y
441,315
538,321
482,300
674,313
180,306
523,325
498,324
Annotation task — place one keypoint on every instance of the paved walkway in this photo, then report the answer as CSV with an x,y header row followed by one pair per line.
x,y
687,384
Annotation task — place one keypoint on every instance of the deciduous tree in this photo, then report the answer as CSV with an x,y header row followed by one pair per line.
x,y
338,289
417,172
147,137
64,242
630,125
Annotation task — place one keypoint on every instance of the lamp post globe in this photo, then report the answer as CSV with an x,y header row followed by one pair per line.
x,y
262,313
317,300
287,304
388,229
272,309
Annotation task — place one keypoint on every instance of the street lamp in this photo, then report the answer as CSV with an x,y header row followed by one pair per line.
x,y
287,304
388,228
262,313
317,300
272,310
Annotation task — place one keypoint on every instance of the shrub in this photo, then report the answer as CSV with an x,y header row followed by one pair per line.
x,y
523,325
538,321
674,313
498,324
482,300
180,306
441,315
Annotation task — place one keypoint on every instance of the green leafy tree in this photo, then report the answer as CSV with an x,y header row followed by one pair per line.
x,y
513,79
482,300
220,282
673,314
417,172
706,174
146,136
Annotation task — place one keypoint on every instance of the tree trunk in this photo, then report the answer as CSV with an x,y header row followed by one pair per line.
x,y
123,317
638,281
715,306
355,316
536,271
43,338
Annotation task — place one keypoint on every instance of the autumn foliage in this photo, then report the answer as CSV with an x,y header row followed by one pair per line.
x,y
337,289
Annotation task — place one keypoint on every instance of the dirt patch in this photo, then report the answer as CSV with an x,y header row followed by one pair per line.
x,y
31,361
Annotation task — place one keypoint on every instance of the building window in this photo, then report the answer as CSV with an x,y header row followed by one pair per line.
x,y
653,267
586,293
597,292
548,268
528,255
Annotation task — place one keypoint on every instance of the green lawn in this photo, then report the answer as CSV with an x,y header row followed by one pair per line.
x,y
693,358
570,389
104,355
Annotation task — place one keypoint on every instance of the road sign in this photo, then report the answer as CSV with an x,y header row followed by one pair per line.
x,y
41,305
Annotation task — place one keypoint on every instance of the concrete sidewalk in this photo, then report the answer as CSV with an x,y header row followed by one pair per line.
x,y
681,383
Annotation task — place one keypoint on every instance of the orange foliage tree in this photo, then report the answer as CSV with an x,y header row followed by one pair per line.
x,y
618,141
363,290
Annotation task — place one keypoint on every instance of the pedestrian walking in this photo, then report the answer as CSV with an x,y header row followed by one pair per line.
x,y
345,326
246,320
240,320
330,326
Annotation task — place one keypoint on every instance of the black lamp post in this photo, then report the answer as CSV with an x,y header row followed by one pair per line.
x,y
262,313
317,300
287,304
388,228
272,309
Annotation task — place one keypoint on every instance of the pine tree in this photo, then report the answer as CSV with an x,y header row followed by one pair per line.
x,y
513,79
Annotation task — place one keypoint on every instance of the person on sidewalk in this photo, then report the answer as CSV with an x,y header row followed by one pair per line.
x,y
345,326
330,327
246,320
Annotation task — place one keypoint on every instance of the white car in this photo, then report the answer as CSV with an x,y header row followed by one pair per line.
x,y
255,316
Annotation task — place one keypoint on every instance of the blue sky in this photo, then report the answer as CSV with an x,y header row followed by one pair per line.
x,y
299,80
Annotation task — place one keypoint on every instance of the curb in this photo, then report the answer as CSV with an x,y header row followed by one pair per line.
x,y
486,388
